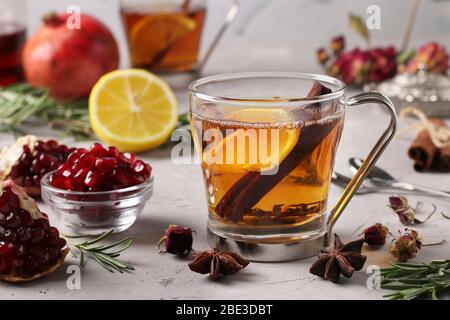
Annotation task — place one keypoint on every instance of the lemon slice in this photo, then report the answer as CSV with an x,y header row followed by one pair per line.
x,y
154,35
260,150
133,110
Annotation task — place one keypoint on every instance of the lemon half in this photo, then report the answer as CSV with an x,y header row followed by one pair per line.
x,y
133,110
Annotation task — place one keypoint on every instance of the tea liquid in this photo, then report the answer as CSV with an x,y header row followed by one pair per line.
x,y
298,198
12,38
163,39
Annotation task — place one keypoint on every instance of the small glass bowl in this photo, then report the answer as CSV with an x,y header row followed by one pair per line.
x,y
96,212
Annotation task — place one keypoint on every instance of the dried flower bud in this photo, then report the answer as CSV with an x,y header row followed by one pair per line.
x,y
322,56
375,235
400,205
433,57
406,213
407,246
177,240
337,44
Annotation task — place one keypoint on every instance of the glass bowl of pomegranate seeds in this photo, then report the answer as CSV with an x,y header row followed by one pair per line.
x,y
98,189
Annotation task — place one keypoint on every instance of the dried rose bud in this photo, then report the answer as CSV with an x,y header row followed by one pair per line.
x,y
375,235
406,213
177,240
407,246
337,44
432,56
322,56
400,205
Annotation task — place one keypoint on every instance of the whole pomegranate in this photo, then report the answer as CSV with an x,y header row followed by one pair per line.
x,y
69,60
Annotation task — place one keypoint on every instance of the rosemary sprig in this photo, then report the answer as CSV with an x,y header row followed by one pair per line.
x,y
21,104
415,281
105,255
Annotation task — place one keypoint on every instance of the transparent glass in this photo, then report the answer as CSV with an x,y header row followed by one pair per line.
x,y
96,212
12,39
267,147
164,36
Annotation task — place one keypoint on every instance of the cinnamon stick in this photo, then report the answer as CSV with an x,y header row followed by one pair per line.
x,y
253,186
426,155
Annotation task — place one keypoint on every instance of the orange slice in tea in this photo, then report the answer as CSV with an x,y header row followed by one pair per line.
x,y
261,140
152,37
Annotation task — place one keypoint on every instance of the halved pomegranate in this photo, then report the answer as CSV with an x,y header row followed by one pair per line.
x,y
29,247
26,161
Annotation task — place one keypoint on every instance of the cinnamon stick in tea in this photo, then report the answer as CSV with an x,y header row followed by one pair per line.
x,y
426,154
253,186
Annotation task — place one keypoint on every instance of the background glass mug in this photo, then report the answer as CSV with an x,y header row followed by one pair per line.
x,y
164,35
267,143
12,40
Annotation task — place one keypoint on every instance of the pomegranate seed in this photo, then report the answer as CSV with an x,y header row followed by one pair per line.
x,y
24,234
61,243
6,248
30,264
10,235
139,166
5,265
98,150
52,144
10,198
2,233
94,180
13,220
40,253
3,217
25,218
87,161
105,165
20,250
52,236
43,223
113,152
60,182
53,254
37,235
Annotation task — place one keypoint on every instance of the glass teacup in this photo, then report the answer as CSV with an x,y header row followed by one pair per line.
x,y
164,35
267,143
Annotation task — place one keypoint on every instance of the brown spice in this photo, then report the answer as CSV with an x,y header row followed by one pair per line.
x,y
343,258
216,263
426,155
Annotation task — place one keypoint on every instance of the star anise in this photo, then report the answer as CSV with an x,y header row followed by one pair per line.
x,y
216,263
342,258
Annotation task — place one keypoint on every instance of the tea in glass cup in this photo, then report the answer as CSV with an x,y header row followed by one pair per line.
x,y
164,36
267,144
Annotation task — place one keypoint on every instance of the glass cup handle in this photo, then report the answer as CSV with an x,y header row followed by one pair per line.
x,y
374,155
230,16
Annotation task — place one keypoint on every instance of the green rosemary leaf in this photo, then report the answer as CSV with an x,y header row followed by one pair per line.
x,y
97,239
107,259
21,103
416,281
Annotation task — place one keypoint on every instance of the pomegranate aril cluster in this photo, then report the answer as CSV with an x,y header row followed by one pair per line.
x,y
100,169
32,165
27,245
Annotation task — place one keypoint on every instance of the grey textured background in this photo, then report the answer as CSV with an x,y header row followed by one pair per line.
x,y
281,34
282,28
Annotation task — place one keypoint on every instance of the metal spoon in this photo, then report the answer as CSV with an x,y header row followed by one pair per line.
x,y
381,178
342,181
